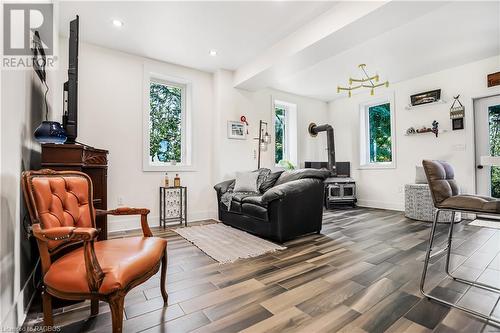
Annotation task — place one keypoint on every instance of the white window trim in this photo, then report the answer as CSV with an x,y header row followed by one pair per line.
x,y
290,136
364,157
153,73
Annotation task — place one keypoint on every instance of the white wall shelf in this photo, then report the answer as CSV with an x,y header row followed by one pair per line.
x,y
411,107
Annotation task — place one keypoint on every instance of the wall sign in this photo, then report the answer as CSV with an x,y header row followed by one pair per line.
x,y
494,79
425,97
457,114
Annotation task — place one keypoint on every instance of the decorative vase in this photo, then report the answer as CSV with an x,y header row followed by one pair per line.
x,y
50,132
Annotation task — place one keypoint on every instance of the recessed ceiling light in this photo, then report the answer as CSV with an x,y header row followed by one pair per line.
x,y
117,23
213,53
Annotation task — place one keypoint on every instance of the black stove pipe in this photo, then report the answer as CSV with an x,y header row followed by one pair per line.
x,y
314,130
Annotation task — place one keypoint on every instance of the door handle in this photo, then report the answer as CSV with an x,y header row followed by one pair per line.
x,y
480,166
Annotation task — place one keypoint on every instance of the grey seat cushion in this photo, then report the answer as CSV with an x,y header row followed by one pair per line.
x,y
473,203
440,176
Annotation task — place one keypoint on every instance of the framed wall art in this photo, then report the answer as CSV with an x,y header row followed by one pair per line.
x,y
425,97
236,130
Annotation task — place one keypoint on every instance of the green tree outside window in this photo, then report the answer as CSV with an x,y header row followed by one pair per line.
x,y
279,134
379,121
165,122
494,133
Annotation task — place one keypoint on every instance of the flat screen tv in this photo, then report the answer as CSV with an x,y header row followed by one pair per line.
x,y
70,94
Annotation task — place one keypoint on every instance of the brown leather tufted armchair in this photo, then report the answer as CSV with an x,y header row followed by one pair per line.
x,y
63,216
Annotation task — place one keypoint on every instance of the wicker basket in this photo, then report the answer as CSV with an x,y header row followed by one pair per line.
x,y
419,206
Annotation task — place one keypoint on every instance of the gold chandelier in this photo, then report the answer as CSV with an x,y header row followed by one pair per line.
x,y
370,82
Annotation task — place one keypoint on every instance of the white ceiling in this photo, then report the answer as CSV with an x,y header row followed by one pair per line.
x,y
185,32
449,36
399,40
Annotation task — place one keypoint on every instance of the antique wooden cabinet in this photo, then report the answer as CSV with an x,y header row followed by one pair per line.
x,y
92,161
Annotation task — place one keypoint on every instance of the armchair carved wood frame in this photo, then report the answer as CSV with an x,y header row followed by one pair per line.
x,y
63,216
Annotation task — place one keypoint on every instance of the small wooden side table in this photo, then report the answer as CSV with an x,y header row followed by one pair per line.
x,y
173,204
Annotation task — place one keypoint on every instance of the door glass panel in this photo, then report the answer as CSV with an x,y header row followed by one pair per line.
x,y
494,133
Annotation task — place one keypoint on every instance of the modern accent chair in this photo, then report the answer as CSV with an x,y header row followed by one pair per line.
x,y
446,197
291,205
63,218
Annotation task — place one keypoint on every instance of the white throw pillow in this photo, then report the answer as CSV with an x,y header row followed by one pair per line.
x,y
420,177
246,181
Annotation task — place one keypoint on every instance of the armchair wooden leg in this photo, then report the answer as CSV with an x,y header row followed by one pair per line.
x,y
163,279
116,306
94,307
47,309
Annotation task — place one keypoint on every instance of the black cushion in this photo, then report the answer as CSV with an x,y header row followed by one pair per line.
x,y
270,181
288,176
263,174
254,211
239,196
255,200
235,206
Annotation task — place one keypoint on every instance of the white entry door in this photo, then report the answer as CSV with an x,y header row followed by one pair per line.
x,y
487,143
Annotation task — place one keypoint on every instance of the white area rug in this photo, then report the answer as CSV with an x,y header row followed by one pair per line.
x,y
486,223
226,244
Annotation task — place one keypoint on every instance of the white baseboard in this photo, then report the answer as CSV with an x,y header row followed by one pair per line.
x,y
16,315
381,205
123,223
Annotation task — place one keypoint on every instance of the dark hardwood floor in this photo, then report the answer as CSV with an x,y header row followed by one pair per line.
x,y
360,275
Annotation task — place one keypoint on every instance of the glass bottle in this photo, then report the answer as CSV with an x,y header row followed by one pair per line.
x,y
177,180
166,179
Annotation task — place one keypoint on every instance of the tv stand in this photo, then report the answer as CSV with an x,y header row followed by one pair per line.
x,y
89,160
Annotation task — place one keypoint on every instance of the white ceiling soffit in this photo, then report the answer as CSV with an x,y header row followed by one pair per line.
x,y
452,35
344,26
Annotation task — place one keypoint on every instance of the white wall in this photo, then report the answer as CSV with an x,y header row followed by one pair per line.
x,y
21,112
231,103
383,188
110,92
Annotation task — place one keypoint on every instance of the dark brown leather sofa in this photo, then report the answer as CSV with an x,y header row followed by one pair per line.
x,y
292,206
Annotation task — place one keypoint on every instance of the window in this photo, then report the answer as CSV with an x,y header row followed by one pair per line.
x,y
279,134
285,133
377,135
165,122
166,144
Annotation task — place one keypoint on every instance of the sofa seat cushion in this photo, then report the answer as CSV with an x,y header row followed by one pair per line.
x,y
255,211
472,202
239,196
237,200
122,261
254,200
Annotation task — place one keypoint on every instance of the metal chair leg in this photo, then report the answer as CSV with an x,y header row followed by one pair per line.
x,y
490,319
447,267
428,254
448,252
